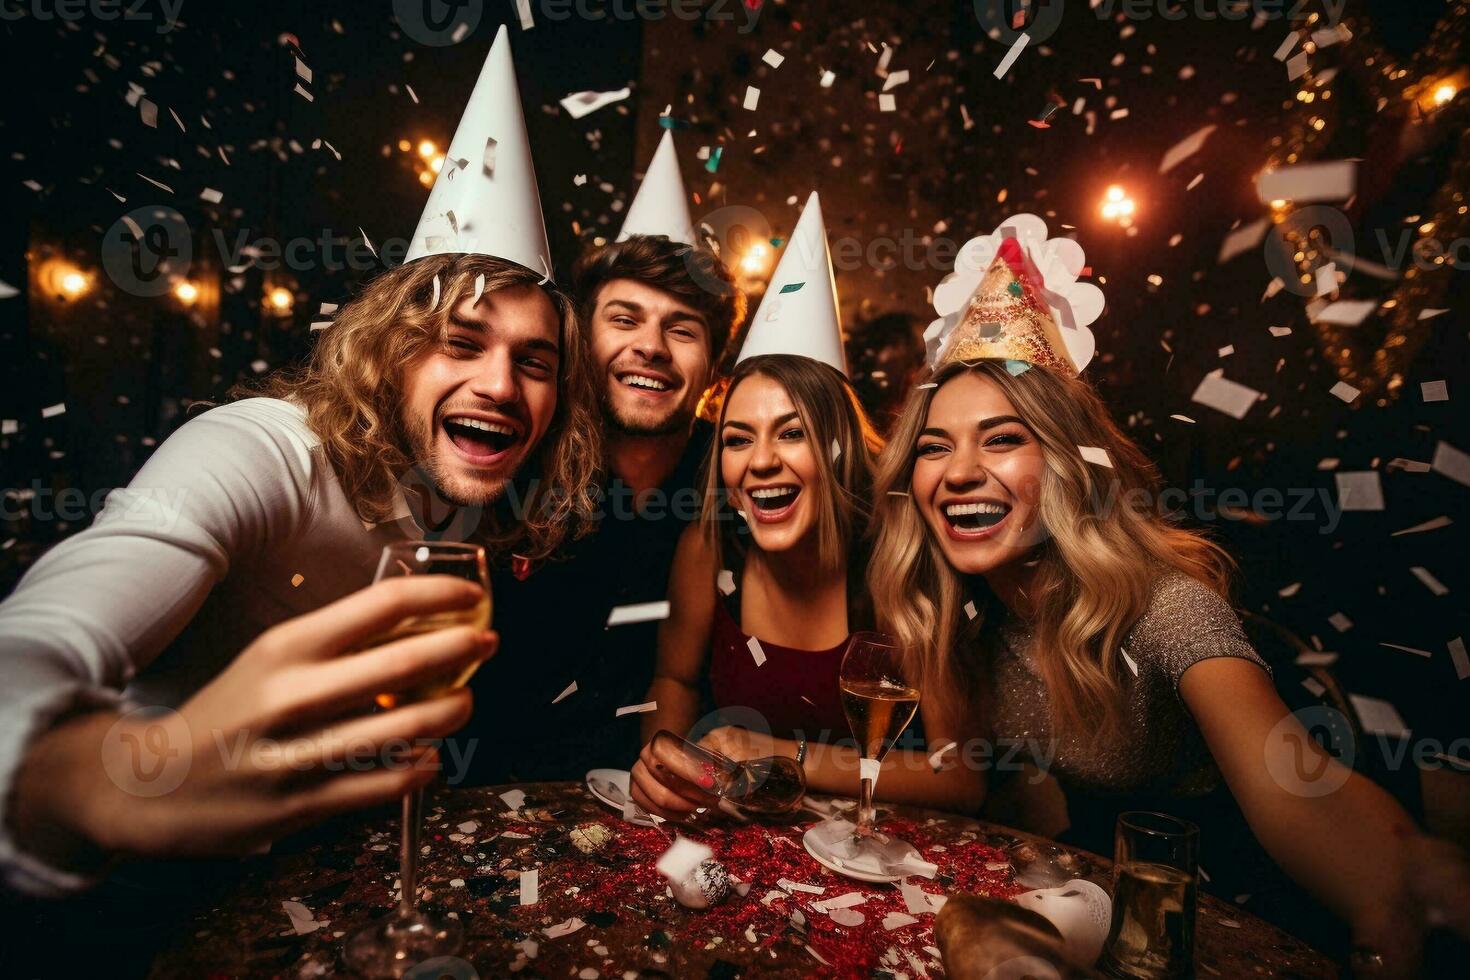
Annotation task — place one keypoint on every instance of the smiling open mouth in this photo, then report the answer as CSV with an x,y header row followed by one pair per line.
x,y
479,438
644,382
973,517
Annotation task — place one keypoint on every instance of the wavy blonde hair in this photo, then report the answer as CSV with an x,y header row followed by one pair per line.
x,y
352,385
1103,546
829,412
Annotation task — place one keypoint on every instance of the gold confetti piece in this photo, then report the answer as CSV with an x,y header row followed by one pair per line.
x,y
297,579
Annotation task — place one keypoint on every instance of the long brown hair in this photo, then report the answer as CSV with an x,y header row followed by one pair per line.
x,y
829,412
351,389
1104,544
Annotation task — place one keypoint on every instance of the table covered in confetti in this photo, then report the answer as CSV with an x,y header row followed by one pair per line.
x,y
599,908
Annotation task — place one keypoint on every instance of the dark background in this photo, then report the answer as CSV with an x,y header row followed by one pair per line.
x,y
127,367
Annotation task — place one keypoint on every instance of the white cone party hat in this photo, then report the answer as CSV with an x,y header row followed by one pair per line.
x,y
485,200
661,207
798,314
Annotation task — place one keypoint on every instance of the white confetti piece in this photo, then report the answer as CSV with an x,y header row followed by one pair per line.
x,y
1459,658
468,826
897,920
531,888
564,928
887,103
302,71
1315,686
1433,524
937,756
758,654
1287,46
1344,391
1378,717
1290,590
636,709
847,917
1334,180
1129,661
970,611
1359,490
1346,312
895,79
1185,149
1243,239
797,886
1227,350
1414,650
1452,462
9,427
579,104
1340,622
1015,52
303,920
1430,582
1316,658
1426,313
1434,391
568,692
827,79
479,289
514,798
1298,65
523,12
915,900
725,582
1094,454
1327,279
211,196
641,612
304,93
845,901
1220,393
1280,331
51,411
7,291
772,58
836,450
752,97
579,180
434,302
412,94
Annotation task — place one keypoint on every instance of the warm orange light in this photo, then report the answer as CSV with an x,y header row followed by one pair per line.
x,y
426,177
1118,206
281,299
405,145
754,261
73,284
428,150
436,164
1445,94
186,292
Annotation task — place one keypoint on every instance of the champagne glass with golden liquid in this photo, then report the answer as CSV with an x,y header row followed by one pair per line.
x,y
879,703
408,936
1155,897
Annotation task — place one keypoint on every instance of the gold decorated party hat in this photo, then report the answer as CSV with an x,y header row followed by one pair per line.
x,y
1007,319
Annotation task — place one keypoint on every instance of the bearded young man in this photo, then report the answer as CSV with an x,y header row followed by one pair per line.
x,y
462,374
657,311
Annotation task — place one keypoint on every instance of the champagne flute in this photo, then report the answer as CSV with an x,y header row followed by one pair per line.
x,y
879,704
769,786
408,935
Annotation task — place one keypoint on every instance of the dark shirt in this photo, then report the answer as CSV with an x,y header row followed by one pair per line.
x,y
553,632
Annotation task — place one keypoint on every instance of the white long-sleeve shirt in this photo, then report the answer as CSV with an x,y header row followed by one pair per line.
x,y
235,524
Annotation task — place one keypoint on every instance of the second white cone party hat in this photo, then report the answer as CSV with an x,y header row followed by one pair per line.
x,y
661,206
798,314
485,200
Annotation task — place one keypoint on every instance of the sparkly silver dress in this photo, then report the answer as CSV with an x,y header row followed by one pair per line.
x,y
1161,751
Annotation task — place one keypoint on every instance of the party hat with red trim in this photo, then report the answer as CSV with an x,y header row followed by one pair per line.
x,y
661,206
1014,296
485,200
798,314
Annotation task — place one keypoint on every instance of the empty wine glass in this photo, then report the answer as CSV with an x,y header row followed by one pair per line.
x,y
769,786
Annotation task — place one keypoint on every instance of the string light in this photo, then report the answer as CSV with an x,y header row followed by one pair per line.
x,y
1118,206
280,299
428,150
186,292
754,261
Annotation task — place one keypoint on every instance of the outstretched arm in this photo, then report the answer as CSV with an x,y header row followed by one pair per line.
x,y
1310,814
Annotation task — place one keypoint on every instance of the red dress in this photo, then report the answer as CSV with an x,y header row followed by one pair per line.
x,y
795,690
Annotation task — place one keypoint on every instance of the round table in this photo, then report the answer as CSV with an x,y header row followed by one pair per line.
x,y
610,914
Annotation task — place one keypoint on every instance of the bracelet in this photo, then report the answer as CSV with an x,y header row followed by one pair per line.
x,y
801,750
